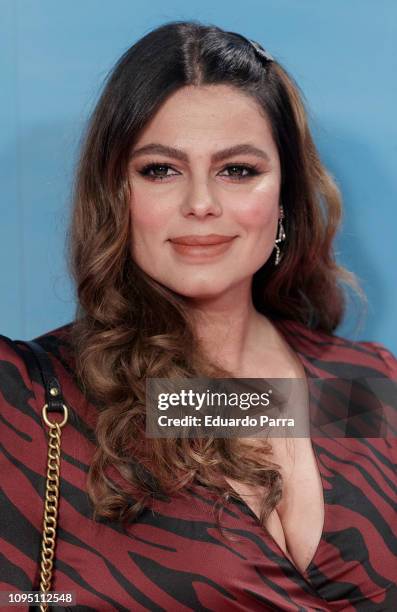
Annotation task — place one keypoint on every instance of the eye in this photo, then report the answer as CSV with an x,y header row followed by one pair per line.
x,y
240,171
157,171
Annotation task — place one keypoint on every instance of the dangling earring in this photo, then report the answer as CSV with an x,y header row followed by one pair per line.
x,y
280,237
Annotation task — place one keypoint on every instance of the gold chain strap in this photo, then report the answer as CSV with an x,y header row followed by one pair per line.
x,y
51,501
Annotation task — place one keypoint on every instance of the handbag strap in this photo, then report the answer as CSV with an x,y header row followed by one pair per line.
x,y
41,368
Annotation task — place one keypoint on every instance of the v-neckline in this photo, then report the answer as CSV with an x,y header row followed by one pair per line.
x,y
282,327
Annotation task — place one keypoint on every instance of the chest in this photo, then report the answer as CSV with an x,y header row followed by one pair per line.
x,y
296,523
174,558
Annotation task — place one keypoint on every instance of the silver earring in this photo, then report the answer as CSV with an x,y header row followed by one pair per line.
x,y
280,237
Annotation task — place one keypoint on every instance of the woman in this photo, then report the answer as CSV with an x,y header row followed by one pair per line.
x,y
201,244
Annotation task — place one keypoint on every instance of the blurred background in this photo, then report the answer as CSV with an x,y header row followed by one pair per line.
x,y
54,57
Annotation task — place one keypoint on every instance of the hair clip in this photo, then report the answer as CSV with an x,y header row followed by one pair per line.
x,y
261,51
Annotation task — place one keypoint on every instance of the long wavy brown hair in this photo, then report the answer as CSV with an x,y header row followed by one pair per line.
x,y
128,326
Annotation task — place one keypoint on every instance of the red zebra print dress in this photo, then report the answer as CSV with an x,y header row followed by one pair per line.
x,y
174,558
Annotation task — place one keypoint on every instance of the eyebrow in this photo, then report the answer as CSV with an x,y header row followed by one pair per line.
x,y
240,149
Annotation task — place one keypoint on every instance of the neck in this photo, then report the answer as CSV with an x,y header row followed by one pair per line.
x,y
228,327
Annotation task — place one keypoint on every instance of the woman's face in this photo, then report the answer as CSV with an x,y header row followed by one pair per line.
x,y
206,164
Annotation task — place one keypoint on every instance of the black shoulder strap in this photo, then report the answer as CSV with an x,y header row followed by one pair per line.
x,y
44,371
41,368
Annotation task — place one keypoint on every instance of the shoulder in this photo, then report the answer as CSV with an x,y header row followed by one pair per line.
x,y
387,358
358,397
372,354
59,346
339,355
56,342
367,353
17,384
21,386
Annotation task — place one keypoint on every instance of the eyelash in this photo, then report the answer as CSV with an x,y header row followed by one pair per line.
x,y
252,169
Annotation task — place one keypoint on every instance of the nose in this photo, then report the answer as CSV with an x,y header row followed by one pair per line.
x,y
200,199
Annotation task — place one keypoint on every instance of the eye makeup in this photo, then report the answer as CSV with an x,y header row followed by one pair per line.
x,y
159,171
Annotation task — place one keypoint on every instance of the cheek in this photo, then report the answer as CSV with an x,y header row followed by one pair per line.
x,y
258,213
147,216
147,224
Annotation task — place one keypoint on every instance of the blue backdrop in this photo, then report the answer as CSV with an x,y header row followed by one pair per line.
x,y
54,57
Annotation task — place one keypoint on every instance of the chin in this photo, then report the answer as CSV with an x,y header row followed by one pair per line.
x,y
203,289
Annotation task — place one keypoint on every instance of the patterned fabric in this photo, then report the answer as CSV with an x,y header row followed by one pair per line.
x,y
174,558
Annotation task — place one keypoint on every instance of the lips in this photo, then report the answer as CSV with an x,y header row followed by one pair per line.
x,y
196,240
195,249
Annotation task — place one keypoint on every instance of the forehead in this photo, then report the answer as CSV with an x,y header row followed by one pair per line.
x,y
208,116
